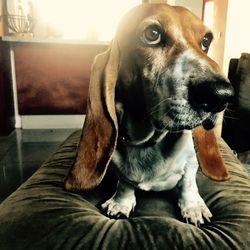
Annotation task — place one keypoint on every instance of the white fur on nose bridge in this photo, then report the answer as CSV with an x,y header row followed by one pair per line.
x,y
188,62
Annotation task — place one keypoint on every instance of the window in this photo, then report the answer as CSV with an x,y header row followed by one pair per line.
x,y
81,19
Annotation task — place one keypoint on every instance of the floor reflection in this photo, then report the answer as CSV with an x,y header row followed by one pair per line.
x,y
23,152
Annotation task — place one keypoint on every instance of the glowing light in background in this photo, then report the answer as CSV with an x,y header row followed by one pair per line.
x,y
84,19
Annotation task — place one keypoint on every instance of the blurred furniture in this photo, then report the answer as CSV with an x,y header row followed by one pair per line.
x,y
52,76
236,126
18,17
47,77
7,120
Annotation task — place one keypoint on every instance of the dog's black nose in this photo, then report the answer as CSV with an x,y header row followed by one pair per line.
x,y
211,95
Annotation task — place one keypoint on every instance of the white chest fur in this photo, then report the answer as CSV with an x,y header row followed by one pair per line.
x,y
159,167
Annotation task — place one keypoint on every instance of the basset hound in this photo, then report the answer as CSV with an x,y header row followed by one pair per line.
x,y
154,97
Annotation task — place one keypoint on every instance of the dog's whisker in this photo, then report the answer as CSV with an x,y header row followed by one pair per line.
x,y
156,83
169,110
184,115
158,110
229,109
158,104
177,121
231,117
230,113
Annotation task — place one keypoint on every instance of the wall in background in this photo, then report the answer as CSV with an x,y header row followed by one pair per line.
x,y
215,17
237,31
194,6
1,17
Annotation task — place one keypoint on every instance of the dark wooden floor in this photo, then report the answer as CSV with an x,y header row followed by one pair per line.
x,y
23,152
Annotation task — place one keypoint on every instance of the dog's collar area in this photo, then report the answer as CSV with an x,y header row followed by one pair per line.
x,y
124,139
126,142
157,136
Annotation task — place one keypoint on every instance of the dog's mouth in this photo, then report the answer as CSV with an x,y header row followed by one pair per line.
x,y
177,123
207,124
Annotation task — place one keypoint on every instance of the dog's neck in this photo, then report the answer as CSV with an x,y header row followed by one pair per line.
x,y
149,141
135,125
135,130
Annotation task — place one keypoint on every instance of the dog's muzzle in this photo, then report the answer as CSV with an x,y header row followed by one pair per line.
x,y
210,95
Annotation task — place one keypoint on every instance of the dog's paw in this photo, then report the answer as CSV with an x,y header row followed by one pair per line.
x,y
195,211
118,209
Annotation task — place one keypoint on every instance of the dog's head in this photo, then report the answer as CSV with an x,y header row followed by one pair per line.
x,y
161,51
167,48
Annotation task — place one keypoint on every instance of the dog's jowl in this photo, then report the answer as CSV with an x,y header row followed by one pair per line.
x,y
148,94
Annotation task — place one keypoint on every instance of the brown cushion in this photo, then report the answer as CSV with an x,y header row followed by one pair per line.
x,y
42,215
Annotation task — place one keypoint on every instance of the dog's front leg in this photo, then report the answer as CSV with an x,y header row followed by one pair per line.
x,y
193,207
122,202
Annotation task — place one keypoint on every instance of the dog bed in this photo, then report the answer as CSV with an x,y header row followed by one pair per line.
x,y
42,215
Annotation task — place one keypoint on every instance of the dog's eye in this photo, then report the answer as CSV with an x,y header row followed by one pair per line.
x,y
151,35
206,41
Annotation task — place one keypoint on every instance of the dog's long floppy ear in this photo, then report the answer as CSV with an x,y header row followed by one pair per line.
x,y
208,154
99,134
